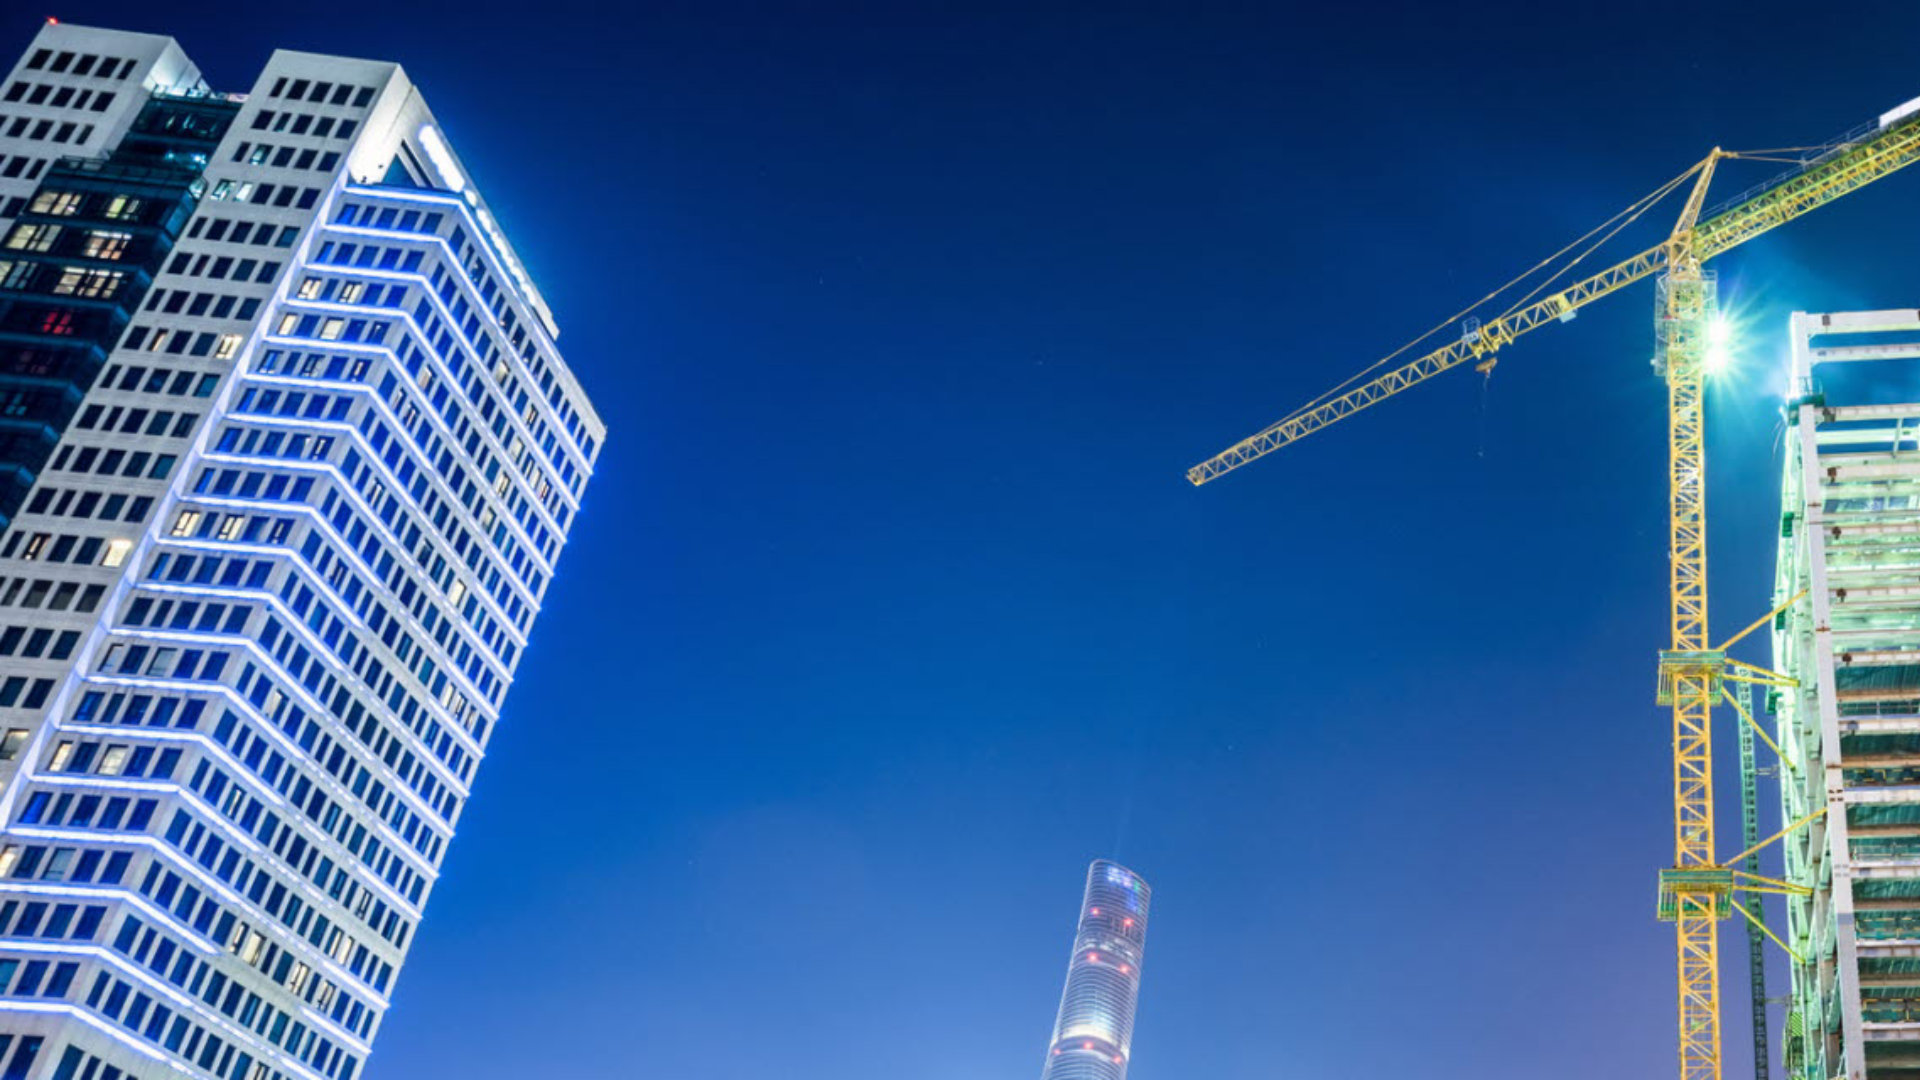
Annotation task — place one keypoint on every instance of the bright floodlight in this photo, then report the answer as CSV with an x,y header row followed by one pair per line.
x,y
1719,345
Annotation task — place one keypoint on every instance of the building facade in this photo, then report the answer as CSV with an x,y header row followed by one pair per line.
x,y
287,457
1093,1035
1849,730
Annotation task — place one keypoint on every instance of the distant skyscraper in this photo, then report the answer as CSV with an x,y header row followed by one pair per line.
x,y
1093,1038
287,457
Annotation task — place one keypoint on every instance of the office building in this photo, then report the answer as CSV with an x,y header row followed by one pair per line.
x,y
287,457
1093,1036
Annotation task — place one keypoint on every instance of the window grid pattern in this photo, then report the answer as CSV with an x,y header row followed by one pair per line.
x,y
343,480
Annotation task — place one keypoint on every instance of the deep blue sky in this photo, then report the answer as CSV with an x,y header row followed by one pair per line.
x,y
890,608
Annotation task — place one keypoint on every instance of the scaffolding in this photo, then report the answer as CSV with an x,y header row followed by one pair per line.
x,y
1849,732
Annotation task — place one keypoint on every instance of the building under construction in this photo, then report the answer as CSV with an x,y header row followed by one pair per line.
x,y
1849,732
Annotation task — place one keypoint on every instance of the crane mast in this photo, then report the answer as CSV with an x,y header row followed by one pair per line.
x,y
1697,890
1689,669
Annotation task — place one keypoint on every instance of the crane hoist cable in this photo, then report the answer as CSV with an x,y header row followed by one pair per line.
x,y
1625,217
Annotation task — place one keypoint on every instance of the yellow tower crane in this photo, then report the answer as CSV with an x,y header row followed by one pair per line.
x,y
1697,890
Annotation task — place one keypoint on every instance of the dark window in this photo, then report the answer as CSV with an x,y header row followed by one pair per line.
x,y
23,1058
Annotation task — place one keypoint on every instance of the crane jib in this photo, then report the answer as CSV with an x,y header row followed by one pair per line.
x,y
1842,169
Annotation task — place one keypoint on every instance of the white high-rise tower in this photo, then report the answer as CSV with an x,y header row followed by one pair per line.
x,y
287,456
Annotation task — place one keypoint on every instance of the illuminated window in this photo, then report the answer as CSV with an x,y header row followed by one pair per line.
x,y
122,208
229,344
113,762
93,284
11,743
116,552
35,545
331,329
309,289
351,291
61,754
106,244
33,237
287,323
57,203
231,527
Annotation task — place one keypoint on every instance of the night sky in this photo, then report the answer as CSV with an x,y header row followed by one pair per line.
x,y
890,608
